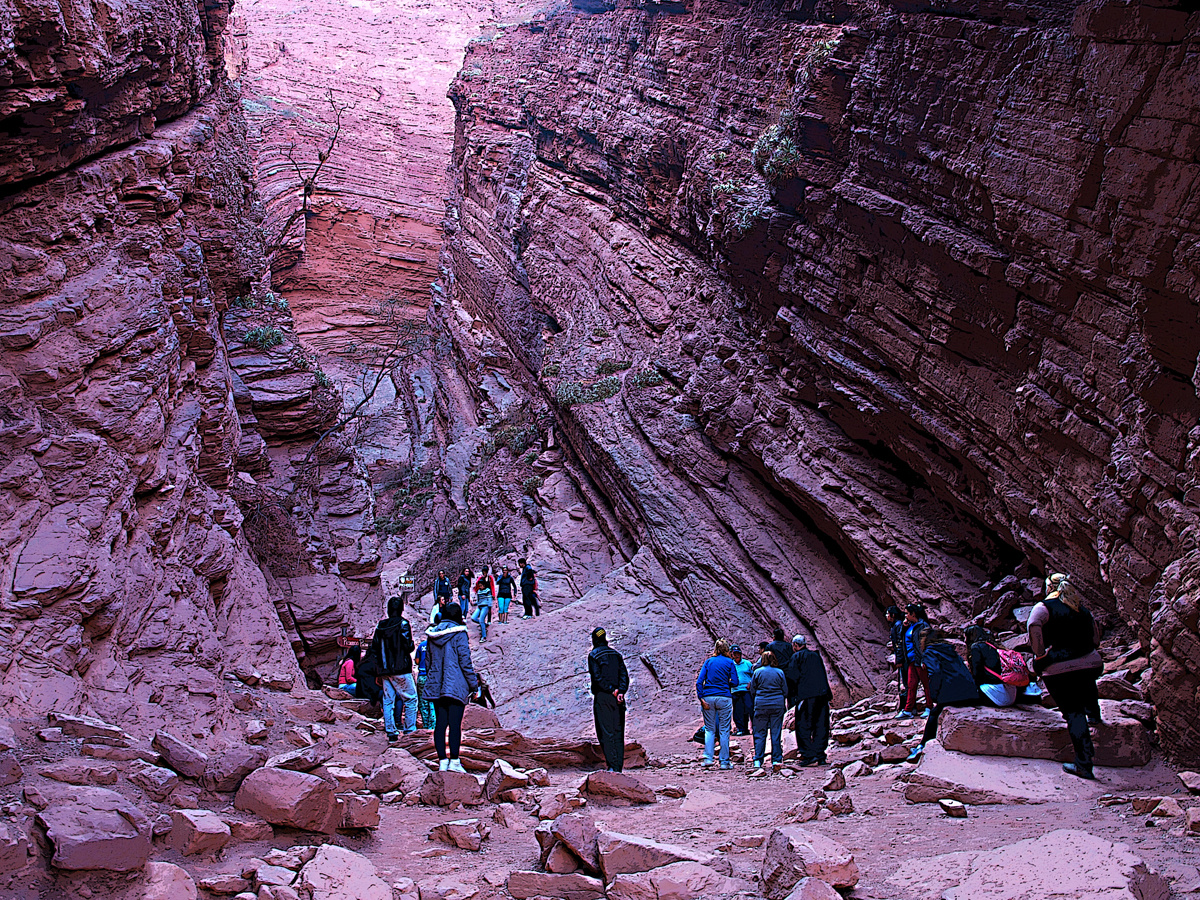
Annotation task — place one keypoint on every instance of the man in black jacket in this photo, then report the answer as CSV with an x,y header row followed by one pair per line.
x,y
529,590
781,648
610,681
392,649
812,697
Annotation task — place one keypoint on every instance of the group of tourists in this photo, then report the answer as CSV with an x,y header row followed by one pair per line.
x,y
1064,639
488,590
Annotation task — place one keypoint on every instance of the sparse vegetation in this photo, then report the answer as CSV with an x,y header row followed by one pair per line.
x,y
551,370
640,380
599,333
323,380
264,337
776,155
612,366
517,438
570,393
531,484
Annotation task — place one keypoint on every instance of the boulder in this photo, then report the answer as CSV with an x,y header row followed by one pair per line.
x,y
608,785
813,889
336,873
621,854
503,777
396,770
284,797
358,811
79,772
578,832
524,884
348,781
553,807
476,717
225,771
256,730
14,848
1082,867
155,781
94,828
794,852
857,769
841,805
953,808
1191,781
197,831
835,782
10,769
466,834
248,829
1037,733
446,788
978,780
1192,825
225,883
85,727
8,737
562,861
447,889
303,760
1114,687
165,881
183,758
678,881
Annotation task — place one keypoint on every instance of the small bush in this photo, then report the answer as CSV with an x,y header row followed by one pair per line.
x,y
599,333
776,156
323,380
640,380
551,370
264,337
612,366
569,393
531,484
531,457
243,302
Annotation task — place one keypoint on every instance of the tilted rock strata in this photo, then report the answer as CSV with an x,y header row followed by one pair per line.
x,y
887,333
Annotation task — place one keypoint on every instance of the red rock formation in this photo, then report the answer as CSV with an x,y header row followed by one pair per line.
x,y
906,294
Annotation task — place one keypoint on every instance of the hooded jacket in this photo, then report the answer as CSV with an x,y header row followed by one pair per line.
x,y
392,646
950,682
449,673
442,587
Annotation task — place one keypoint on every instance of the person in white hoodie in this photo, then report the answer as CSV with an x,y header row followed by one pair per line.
x,y
450,682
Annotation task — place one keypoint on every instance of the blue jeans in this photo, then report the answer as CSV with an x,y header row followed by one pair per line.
x,y
464,600
400,687
481,615
768,720
716,723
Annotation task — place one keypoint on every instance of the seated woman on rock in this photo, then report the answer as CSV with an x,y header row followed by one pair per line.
x,y
347,672
1001,675
950,683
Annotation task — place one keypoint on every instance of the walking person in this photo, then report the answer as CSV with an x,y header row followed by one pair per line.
x,y
506,588
742,704
465,581
914,624
812,696
714,686
450,683
896,629
530,598
485,593
610,681
443,589
392,648
1064,637
424,707
768,692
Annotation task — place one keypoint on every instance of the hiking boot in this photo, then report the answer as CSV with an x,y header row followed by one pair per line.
x,y
925,714
1079,771
456,766
904,714
916,753
392,737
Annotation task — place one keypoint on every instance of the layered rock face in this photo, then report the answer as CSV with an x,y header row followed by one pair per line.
x,y
847,305
128,224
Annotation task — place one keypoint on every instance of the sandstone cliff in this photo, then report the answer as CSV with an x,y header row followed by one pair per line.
x,y
842,305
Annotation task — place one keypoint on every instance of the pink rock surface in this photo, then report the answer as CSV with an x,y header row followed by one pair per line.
x,y
618,785
336,873
446,788
793,853
284,797
198,831
622,854
94,828
524,885
166,881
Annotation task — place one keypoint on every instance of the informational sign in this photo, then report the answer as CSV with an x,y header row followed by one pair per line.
x,y
407,582
345,642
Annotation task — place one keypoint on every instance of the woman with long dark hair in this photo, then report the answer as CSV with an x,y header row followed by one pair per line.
x,y
450,682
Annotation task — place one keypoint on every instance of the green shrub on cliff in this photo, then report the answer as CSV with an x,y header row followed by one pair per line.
x,y
569,393
776,156
264,337
531,484
612,366
640,380
551,370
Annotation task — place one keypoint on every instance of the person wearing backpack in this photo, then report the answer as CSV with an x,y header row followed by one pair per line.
x,y
450,683
392,648
485,593
999,677
530,598
948,683
442,588
1064,637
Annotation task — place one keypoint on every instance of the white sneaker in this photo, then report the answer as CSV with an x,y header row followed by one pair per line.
x,y
456,766
443,764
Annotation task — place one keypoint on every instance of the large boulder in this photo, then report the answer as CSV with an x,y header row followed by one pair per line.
x,y
14,848
979,780
1065,865
466,834
794,853
1037,733
358,811
197,831
285,797
85,727
523,885
336,873
165,881
618,785
621,854
183,758
447,788
94,828
397,770
156,781
225,771
503,777
303,760
678,881
578,832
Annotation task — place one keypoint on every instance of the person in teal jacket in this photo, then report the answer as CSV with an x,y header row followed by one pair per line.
x,y
741,693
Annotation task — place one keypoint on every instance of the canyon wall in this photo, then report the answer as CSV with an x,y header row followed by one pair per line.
x,y
140,372
838,305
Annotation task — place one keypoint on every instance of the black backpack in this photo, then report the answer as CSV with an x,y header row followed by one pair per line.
x,y
394,647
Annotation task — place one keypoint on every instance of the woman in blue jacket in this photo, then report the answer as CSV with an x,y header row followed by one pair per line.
x,y
450,682
714,686
768,692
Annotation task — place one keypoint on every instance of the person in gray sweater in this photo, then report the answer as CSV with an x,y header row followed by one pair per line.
x,y
768,693
450,682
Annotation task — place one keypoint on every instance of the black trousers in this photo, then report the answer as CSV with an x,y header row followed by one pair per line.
x,y
448,716
741,710
935,713
530,601
610,729
903,683
812,728
1076,696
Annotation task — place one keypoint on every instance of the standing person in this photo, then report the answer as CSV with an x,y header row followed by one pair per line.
x,y
424,707
530,598
914,625
949,683
768,692
485,593
896,629
465,580
450,683
507,587
348,670
742,704
812,703
714,686
443,589
1064,637
780,647
610,681
392,648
